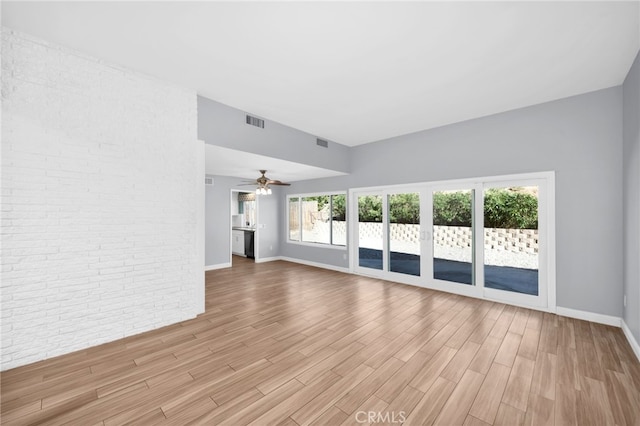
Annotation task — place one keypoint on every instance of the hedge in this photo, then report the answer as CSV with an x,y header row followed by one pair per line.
x,y
503,208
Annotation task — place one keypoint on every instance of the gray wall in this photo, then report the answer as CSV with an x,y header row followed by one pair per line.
x,y
269,218
578,137
631,171
221,125
218,221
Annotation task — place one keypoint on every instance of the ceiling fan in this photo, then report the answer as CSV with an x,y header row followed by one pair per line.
x,y
263,183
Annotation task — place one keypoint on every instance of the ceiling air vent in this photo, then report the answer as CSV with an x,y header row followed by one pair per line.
x,y
208,180
255,121
322,143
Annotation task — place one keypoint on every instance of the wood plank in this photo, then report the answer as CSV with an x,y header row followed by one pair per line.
x,y
373,409
433,368
405,402
356,396
485,407
484,357
566,405
541,411
429,407
543,382
508,349
593,403
307,413
264,404
284,409
519,384
333,416
456,368
473,421
394,386
509,416
529,344
457,407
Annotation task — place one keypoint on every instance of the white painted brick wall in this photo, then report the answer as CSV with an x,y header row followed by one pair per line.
x,y
99,183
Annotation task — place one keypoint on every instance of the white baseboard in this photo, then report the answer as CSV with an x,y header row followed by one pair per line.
x,y
589,316
268,259
632,341
316,264
218,266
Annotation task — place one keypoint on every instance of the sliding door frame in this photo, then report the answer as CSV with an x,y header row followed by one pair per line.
x,y
547,259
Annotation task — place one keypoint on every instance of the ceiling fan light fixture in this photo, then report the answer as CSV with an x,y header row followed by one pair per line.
x,y
263,190
264,184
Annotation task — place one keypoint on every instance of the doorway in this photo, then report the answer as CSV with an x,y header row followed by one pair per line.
x,y
244,216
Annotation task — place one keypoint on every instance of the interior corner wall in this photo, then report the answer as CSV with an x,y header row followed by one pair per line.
x,y
218,223
580,138
631,187
99,202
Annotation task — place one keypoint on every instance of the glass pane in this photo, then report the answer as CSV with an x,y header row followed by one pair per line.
x,y
511,239
453,253
370,231
404,233
316,219
339,220
294,219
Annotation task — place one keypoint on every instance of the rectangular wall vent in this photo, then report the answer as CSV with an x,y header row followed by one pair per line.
x,y
255,121
208,180
322,143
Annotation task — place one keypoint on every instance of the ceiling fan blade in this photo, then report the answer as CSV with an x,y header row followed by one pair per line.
x,y
246,184
277,182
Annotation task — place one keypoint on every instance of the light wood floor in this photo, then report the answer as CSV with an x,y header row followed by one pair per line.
x,y
287,344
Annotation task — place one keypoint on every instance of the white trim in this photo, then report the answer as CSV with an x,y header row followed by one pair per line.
x,y
200,227
315,264
218,266
589,316
267,259
550,200
632,341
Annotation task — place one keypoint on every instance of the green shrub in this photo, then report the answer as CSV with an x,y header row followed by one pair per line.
x,y
503,208
404,208
370,209
452,208
339,207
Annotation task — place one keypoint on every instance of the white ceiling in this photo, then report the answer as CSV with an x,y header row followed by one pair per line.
x,y
355,72
229,162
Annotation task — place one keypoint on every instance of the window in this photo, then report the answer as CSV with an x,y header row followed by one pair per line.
x,y
318,219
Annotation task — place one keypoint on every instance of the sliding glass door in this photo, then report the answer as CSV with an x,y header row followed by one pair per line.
x,y
403,213
453,246
488,238
388,233
515,241
370,231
